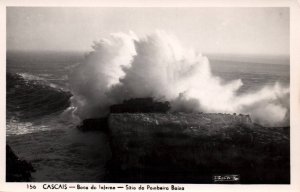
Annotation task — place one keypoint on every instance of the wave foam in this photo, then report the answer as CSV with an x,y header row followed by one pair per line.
x,y
124,66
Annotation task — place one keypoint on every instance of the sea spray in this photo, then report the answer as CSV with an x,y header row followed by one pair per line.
x,y
124,66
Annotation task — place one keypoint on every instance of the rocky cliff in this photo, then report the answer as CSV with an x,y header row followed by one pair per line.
x,y
194,147
17,169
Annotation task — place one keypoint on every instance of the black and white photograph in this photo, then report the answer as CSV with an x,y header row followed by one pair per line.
x,y
164,95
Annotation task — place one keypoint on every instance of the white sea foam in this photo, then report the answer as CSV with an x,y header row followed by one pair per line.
x,y
125,66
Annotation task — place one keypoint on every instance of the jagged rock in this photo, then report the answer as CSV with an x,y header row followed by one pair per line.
x,y
191,148
140,105
16,169
97,124
137,105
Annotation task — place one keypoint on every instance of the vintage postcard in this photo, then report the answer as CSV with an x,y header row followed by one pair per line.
x,y
149,96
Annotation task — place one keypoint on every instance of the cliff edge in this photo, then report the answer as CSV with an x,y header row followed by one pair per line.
x,y
195,147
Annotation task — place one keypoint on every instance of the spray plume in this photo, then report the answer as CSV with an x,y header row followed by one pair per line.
x,y
124,66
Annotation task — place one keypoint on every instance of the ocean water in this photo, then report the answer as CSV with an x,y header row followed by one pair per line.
x,y
40,129
37,126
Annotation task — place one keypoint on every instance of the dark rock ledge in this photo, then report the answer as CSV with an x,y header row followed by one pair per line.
x,y
17,170
192,148
151,145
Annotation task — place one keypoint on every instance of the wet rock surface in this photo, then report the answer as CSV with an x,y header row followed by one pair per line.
x,y
136,105
140,105
96,124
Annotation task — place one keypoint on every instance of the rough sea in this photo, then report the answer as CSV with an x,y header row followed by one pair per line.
x,y
40,129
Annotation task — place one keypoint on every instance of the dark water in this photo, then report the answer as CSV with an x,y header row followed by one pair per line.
x,y
40,129
37,89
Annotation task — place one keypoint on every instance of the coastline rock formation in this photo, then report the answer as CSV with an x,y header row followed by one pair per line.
x,y
136,105
150,144
140,105
17,170
96,124
193,147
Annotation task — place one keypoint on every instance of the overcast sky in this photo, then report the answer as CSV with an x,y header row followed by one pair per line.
x,y
210,30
